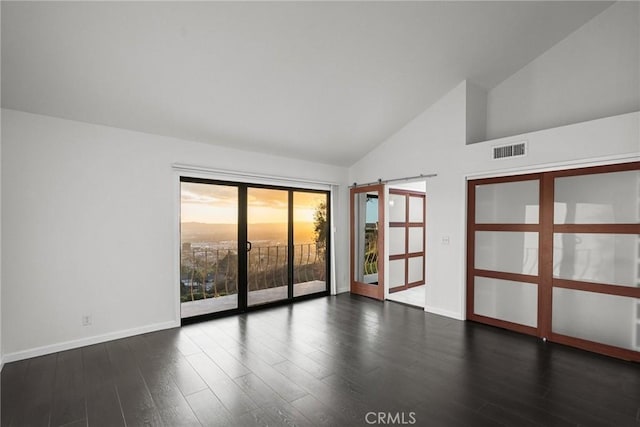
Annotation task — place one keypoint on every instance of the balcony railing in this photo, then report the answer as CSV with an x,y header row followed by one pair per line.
x,y
208,273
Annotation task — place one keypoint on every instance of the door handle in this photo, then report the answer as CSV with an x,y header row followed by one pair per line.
x,y
249,246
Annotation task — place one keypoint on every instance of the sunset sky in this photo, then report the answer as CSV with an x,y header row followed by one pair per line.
x,y
218,204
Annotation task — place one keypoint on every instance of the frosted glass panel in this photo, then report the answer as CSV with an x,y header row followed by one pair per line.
x,y
515,302
397,208
396,240
508,251
508,202
416,239
396,273
596,257
416,209
603,198
607,319
416,269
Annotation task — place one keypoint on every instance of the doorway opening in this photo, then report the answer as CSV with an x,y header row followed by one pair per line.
x,y
407,241
388,239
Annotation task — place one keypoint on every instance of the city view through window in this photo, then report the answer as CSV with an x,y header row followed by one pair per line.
x,y
209,261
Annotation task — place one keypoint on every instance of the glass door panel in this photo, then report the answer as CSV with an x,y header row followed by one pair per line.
x,y
507,251
397,240
310,232
397,273
267,243
415,270
508,202
367,241
515,302
397,207
603,198
416,239
597,257
416,209
209,248
597,317
367,251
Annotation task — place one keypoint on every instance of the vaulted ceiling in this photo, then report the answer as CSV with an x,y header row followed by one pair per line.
x,y
322,81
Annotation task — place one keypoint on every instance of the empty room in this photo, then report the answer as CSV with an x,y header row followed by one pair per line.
x,y
320,213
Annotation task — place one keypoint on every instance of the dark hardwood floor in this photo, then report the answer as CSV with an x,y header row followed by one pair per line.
x,y
335,361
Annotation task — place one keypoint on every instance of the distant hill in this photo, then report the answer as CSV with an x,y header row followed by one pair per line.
x,y
202,232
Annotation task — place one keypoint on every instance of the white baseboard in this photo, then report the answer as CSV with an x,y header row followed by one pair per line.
x,y
446,313
68,345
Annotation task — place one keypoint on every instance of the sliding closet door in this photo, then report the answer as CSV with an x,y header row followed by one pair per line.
x,y
557,255
503,245
596,255
406,239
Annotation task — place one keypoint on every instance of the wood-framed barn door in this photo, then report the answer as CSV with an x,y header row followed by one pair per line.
x,y
367,241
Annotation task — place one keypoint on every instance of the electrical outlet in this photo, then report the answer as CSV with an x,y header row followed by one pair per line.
x,y
86,320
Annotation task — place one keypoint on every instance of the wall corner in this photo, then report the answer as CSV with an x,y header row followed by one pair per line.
x,y
476,113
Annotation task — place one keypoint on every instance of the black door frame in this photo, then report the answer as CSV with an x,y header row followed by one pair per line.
x,y
242,285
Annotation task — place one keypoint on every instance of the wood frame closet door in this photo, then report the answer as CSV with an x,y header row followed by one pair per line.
x,y
407,228
587,258
367,241
602,279
495,283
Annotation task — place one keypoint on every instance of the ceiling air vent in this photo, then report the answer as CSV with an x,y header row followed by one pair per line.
x,y
517,149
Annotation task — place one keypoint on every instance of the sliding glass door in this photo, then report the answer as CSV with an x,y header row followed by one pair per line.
x,y
268,238
209,248
245,245
310,233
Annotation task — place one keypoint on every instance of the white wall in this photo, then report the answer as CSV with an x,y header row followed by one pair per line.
x,y
340,210
435,142
476,113
593,73
89,215
1,352
415,186
432,143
